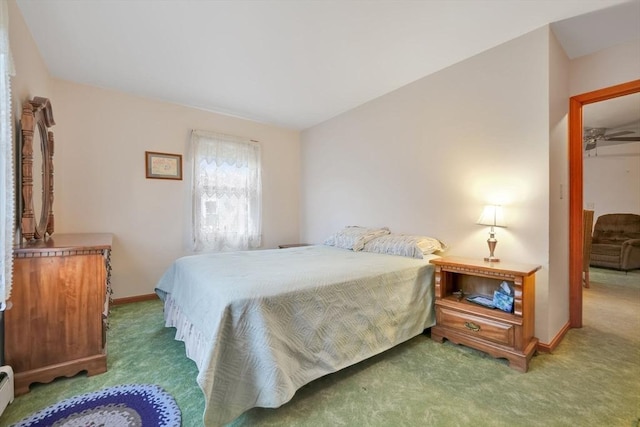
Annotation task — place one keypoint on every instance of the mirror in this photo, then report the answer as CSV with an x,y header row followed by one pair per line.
x,y
37,169
38,174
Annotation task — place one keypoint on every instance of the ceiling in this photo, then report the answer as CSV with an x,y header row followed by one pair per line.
x,y
295,63
615,113
615,117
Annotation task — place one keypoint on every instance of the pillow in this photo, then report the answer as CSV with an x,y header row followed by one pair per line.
x,y
404,245
354,237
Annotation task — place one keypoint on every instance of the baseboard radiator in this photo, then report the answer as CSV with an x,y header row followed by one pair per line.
x,y
6,387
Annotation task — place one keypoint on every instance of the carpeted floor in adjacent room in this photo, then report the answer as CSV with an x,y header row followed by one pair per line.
x,y
592,379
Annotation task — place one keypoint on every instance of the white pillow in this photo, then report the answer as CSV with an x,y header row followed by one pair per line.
x,y
354,237
404,245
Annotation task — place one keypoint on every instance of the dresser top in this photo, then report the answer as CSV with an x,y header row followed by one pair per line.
x,y
75,241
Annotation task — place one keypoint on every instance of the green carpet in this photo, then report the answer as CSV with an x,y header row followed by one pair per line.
x,y
615,277
592,379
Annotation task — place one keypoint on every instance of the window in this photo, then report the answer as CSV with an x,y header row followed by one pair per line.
x,y
227,192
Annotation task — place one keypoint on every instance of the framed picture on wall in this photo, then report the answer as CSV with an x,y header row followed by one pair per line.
x,y
163,165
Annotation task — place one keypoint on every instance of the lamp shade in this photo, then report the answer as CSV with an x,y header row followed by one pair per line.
x,y
492,215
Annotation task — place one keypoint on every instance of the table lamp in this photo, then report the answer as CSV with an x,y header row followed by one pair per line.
x,y
493,216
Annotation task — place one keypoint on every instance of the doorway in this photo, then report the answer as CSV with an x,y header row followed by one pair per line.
x,y
576,187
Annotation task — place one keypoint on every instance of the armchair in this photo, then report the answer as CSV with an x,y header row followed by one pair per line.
x,y
616,242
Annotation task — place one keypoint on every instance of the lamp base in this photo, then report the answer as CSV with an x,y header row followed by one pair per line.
x,y
492,242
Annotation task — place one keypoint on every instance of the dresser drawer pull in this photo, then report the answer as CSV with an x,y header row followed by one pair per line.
x,y
472,326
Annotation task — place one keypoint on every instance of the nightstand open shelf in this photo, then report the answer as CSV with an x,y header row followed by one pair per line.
x,y
496,332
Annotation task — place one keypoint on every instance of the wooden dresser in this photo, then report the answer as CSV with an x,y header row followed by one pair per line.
x,y
60,300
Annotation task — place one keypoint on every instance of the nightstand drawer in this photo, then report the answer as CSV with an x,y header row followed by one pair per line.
x,y
498,332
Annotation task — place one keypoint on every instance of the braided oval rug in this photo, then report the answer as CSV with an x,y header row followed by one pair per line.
x,y
132,405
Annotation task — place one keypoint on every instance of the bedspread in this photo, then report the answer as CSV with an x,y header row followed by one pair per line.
x,y
261,324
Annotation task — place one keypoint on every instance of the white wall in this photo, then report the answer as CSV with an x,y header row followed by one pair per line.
x,y
425,158
100,184
422,159
608,67
557,297
32,76
99,174
611,181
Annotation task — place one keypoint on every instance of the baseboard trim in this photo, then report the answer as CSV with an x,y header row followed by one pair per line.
x,y
555,342
542,347
137,298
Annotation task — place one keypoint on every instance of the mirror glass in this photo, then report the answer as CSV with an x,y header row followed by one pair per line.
x,y
38,174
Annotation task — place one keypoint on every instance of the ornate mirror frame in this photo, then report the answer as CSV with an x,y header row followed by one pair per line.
x,y
37,114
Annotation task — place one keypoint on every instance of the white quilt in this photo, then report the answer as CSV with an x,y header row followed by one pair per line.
x,y
261,324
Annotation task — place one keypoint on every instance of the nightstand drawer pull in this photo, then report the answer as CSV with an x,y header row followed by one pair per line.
x,y
472,326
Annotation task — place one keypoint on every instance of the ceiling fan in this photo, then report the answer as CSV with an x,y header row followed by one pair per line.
x,y
598,137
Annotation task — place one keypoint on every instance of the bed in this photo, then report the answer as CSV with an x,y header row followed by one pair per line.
x,y
261,324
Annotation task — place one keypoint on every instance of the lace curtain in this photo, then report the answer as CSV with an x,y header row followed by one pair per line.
x,y
227,192
7,200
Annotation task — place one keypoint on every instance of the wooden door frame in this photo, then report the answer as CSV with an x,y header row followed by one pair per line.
x,y
575,189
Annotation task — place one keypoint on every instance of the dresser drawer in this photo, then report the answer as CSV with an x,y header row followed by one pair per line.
x,y
489,329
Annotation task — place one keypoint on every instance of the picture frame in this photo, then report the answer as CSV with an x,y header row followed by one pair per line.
x,y
163,165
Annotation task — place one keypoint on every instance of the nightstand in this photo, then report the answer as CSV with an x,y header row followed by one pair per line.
x,y
496,332
293,245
